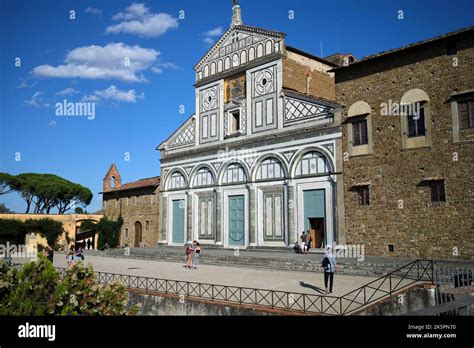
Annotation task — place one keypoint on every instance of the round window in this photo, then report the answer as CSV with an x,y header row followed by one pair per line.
x,y
264,81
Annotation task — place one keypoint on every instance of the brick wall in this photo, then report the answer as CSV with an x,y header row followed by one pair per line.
x,y
321,84
419,229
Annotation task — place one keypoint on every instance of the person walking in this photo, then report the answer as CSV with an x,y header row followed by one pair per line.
x,y
329,267
70,256
189,255
197,254
89,243
303,242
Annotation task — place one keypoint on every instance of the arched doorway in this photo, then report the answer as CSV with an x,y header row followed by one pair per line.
x,y
138,234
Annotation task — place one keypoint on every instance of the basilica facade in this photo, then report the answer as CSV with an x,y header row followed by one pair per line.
x,y
257,163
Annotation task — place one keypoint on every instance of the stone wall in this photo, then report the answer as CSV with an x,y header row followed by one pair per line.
x,y
416,227
145,209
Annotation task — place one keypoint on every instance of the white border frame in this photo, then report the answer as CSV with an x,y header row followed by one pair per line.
x,y
225,215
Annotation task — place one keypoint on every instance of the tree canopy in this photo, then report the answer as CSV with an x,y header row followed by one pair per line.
x,y
43,192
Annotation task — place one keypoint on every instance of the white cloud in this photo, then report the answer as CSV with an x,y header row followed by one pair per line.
x,y
137,19
211,35
25,84
37,100
113,61
158,68
67,91
93,10
114,94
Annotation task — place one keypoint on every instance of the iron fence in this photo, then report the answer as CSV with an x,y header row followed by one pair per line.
x,y
452,283
317,304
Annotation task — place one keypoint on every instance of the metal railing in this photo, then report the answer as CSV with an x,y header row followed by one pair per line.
x,y
353,301
452,283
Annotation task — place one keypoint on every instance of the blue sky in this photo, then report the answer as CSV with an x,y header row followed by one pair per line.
x,y
138,107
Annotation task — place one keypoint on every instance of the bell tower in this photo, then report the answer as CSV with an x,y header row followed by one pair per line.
x,y
236,15
112,179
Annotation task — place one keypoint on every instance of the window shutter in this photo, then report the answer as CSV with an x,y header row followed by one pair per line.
x,y
355,133
363,132
463,114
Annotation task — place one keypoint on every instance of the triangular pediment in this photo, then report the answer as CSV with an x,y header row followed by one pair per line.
x,y
236,39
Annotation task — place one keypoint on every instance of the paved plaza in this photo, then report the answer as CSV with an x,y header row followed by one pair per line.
x,y
293,281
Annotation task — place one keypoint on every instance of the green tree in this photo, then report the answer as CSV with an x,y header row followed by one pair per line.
x,y
4,209
6,181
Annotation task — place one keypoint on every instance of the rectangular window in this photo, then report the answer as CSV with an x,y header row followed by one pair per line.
x,y
363,195
269,109
204,127
126,233
416,127
147,225
258,114
437,191
359,133
234,120
466,114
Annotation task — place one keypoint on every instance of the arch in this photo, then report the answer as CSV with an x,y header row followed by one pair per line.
x,y
206,70
213,68
258,163
259,50
251,53
300,154
194,177
235,60
413,96
230,173
359,108
227,63
243,57
173,182
268,47
219,65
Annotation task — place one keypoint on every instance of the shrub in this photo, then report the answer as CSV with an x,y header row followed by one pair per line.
x,y
108,231
14,231
38,289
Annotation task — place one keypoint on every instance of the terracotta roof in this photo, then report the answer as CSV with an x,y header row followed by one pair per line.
x,y
309,55
388,53
147,182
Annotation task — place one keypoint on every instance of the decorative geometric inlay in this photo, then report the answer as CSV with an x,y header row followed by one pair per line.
x,y
186,136
297,110
209,99
264,82
330,148
288,155
188,169
216,166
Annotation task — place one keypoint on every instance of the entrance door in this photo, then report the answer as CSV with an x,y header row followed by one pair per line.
x,y
178,221
138,234
236,220
315,215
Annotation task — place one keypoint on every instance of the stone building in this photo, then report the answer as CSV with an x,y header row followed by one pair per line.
x,y
259,161
138,204
407,145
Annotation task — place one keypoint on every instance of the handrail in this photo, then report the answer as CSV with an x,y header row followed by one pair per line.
x,y
347,304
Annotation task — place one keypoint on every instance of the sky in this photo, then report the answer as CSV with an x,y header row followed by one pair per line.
x,y
53,51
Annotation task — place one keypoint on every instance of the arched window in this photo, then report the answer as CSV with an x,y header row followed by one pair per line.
x,y
259,50
268,47
234,173
270,168
203,177
243,57
227,63
312,163
206,71
213,68
176,181
219,66
251,53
